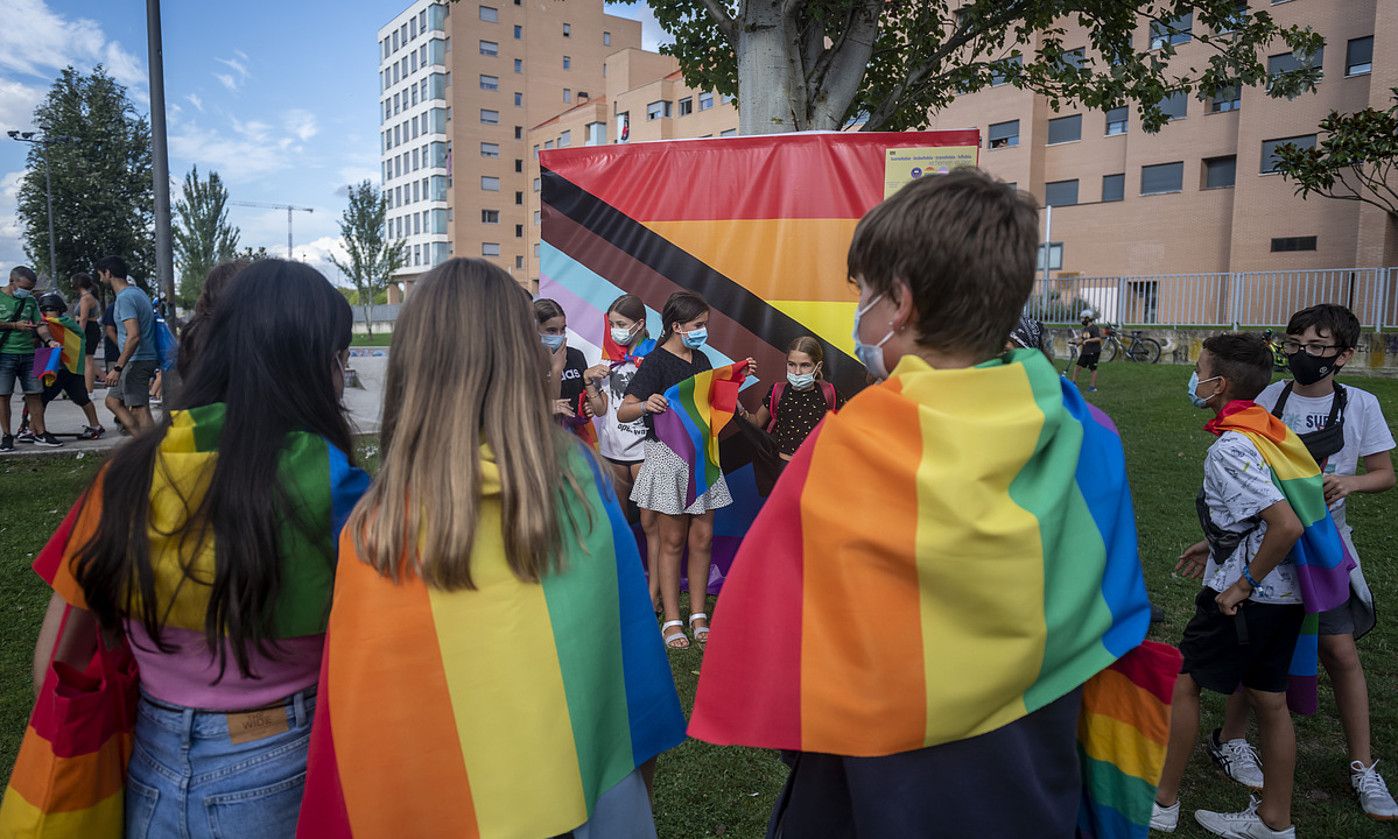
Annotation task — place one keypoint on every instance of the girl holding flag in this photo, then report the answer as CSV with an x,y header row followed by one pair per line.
x,y
663,480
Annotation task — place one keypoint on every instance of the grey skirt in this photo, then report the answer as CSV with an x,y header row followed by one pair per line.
x,y
663,482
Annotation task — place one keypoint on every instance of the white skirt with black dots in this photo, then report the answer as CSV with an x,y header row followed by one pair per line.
x,y
663,482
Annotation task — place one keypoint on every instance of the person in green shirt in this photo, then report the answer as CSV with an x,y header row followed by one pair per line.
x,y
20,322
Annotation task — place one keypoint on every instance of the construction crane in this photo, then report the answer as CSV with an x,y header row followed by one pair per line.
x,y
289,209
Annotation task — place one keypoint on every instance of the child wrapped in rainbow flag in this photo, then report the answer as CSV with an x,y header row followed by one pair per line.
x,y
940,609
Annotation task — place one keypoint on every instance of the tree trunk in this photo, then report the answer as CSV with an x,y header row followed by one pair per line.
x,y
368,324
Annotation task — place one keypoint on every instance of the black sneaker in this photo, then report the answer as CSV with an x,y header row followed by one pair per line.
x,y
47,440
7,443
90,433
25,435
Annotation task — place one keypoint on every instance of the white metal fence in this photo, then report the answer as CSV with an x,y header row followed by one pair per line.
x,y
1251,298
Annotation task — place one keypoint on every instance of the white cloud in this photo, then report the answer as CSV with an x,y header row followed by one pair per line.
x,y
227,81
302,124
36,41
11,245
354,173
241,153
17,104
239,66
198,103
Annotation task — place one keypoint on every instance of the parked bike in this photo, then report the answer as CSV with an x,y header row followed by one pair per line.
x,y
1134,347
1274,344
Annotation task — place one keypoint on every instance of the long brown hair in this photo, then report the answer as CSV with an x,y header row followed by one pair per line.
x,y
442,401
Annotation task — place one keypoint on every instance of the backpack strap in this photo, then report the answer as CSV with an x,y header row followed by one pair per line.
x,y
777,390
829,391
1337,403
1281,400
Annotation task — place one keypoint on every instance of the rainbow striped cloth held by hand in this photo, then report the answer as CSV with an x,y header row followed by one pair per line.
x,y
1322,564
505,710
945,522
47,360
699,408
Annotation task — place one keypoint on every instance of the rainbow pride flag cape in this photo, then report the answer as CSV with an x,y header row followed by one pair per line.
x,y
615,354
944,522
47,362
321,485
501,711
700,407
1322,563
66,332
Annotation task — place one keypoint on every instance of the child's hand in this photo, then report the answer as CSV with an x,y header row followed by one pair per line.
x,y
563,407
656,404
752,366
1191,562
596,373
1229,600
1338,487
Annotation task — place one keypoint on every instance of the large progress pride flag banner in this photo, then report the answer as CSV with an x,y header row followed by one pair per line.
x,y
759,226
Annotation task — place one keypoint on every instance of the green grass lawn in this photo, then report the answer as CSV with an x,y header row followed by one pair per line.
x,y
703,790
378,339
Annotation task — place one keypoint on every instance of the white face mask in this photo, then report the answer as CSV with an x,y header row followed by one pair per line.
x,y
624,337
871,355
801,381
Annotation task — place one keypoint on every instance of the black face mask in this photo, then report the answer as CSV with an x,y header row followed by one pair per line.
x,y
1308,369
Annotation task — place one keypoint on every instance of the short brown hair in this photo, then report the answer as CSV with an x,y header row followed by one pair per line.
x,y
1244,359
965,244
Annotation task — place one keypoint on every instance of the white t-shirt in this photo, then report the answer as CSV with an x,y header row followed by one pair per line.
x,y
623,441
1237,487
1366,431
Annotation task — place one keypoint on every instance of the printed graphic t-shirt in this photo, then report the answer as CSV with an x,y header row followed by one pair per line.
x,y
1237,488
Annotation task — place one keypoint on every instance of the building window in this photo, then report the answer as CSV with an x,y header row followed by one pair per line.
x,y
490,184
536,184
1162,177
490,216
489,117
1286,244
519,132
519,262
519,32
538,217
1074,58
490,48
519,65
417,224
1061,193
567,94
1116,120
519,231
1114,187
1003,135
567,30
1220,172
490,14
1289,61
1176,30
536,250
1175,105
606,39
519,198
490,149
519,165
1065,129
1270,161
565,139
657,110
1226,99
596,133
490,82
686,106
1359,56
706,101
548,144
519,99
1055,257
567,62
490,248
999,74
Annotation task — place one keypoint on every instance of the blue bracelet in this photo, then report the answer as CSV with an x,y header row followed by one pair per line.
x,y
1248,576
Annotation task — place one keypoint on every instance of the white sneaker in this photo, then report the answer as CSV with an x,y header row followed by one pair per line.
x,y
1244,825
1237,759
1374,798
1164,819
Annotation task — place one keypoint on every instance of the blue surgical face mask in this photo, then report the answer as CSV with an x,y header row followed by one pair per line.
x,y
871,355
801,381
695,338
623,337
1194,383
21,292
553,342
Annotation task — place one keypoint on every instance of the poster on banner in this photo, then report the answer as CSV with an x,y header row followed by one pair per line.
x,y
759,226
902,166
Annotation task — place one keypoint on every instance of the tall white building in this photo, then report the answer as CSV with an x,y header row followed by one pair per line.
x,y
414,141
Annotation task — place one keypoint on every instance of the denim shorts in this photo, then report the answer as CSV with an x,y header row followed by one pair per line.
x,y
19,368
189,779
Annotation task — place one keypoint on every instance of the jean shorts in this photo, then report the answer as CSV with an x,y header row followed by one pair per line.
x,y
206,775
18,367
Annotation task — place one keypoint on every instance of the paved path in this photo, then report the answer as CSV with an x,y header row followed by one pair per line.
x,y
63,417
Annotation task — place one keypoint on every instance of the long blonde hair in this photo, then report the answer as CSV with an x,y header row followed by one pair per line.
x,y
449,389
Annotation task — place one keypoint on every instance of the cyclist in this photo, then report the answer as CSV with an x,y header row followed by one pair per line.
x,y
1089,348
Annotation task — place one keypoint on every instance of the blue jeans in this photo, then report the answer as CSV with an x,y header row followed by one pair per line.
x,y
188,779
18,368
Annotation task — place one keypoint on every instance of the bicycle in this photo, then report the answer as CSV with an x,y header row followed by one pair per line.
x,y
1279,363
1138,347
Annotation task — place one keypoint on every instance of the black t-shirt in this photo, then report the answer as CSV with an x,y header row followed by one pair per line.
x,y
798,413
572,385
661,371
1091,331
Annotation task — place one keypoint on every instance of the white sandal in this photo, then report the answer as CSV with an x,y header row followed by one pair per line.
x,y
701,634
672,639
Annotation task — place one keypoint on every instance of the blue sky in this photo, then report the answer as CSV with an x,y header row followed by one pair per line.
x,y
279,97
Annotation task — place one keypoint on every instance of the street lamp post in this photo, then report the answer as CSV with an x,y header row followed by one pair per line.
x,y
43,142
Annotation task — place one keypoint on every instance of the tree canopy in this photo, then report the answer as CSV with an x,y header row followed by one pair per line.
x,y
371,256
1356,159
203,237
